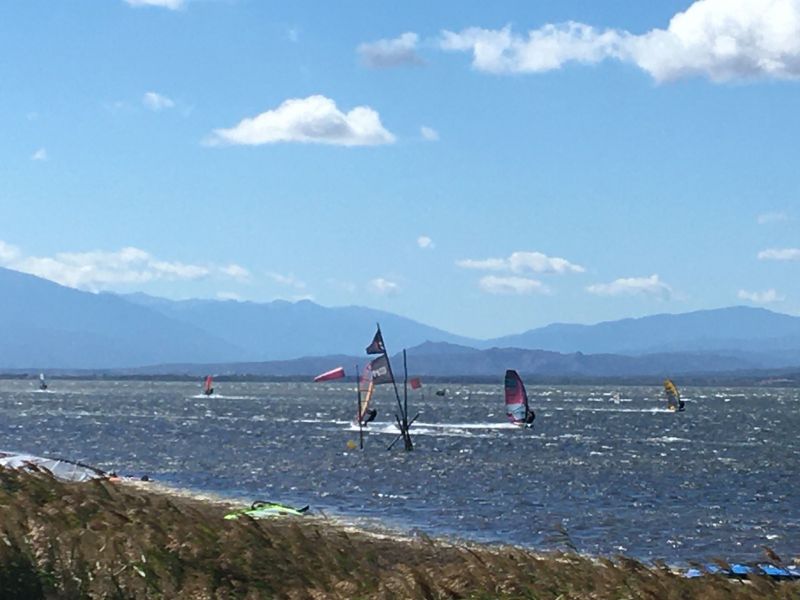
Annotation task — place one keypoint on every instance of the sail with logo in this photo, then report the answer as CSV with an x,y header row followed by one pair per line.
x,y
518,409
378,372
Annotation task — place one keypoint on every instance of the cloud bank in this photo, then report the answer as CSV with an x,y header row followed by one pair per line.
x,y
520,262
717,39
766,297
98,270
315,119
780,254
632,286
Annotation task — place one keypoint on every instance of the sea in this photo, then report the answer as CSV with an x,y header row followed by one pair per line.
x,y
720,480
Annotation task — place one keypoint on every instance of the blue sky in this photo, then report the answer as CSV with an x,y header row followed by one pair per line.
x,y
481,167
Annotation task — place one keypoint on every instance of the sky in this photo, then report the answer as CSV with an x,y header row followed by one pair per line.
x,y
485,168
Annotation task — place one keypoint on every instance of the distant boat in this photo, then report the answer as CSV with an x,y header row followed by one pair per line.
x,y
517,407
615,398
42,382
208,386
674,402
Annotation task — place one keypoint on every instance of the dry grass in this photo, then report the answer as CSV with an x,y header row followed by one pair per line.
x,y
106,540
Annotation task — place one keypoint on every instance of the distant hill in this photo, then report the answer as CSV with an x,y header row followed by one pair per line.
x,y
737,329
281,330
46,325
442,360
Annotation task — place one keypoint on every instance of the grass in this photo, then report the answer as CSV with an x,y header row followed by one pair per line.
x,y
111,540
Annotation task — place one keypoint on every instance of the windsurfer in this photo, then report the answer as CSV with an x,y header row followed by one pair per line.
x,y
369,416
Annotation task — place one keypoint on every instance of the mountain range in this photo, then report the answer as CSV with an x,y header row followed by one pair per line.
x,y
49,326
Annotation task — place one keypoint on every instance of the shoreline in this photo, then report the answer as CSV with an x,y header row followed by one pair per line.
x,y
137,540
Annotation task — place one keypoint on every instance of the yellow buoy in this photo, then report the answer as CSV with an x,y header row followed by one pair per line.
x,y
351,445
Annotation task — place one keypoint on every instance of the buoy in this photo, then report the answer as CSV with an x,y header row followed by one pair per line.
x,y
351,445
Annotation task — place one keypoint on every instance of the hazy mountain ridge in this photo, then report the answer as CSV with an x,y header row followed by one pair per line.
x,y
737,328
49,326
282,330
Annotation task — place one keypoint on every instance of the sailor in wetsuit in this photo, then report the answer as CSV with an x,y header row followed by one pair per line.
x,y
529,419
369,416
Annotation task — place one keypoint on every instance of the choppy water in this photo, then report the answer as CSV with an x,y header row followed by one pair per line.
x,y
720,480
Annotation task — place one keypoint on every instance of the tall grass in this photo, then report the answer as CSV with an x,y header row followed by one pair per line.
x,y
110,540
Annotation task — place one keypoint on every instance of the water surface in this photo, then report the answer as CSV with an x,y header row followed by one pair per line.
x,y
720,480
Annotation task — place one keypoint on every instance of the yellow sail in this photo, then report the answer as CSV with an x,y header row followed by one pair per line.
x,y
673,395
366,397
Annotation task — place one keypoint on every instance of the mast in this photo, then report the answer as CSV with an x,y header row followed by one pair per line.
x,y
358,410
403,423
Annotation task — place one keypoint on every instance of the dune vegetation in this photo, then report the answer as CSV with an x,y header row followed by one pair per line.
x,y
112,540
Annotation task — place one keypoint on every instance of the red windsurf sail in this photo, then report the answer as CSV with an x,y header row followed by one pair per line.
x,y
516,398
208,386
336,373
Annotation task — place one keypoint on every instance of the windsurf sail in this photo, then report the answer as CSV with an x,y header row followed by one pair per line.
x,y
366,387
415,383
336,373
65,470
674,401
208,386
42,382
265,510
517,407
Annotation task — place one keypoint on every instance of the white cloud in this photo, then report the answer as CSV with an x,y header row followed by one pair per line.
x,y
629,286
545,49
170,4
772,217
429,133
512,285
765,297
383,287
520,262
156,102
780,254
236,272
395,52
315,119
99,270
40,154
287,280
718,39
425,242
8,253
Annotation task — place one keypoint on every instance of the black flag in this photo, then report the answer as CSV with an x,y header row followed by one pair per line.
x,y
380,371
376,347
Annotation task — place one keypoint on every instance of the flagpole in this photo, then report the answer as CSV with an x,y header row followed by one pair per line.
x,y
406,436
358,410
405,390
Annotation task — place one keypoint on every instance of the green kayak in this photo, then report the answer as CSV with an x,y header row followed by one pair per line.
x,y
266,510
